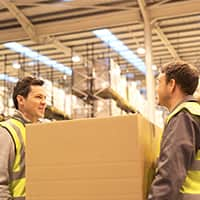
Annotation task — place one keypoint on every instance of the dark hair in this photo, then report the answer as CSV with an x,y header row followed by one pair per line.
x,y
23,87
185,75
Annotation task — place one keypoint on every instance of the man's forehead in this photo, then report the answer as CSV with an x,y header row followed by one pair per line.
x,y
37,88
161,76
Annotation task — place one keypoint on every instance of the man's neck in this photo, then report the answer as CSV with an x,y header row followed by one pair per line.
x,y
26,117
176,101
31,119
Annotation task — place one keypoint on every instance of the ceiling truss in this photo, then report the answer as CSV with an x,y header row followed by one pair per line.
x,y
54,28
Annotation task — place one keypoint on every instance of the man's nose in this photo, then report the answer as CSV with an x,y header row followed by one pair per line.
x,y
43,101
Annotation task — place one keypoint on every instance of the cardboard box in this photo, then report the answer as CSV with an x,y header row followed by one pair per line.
x,y
90,159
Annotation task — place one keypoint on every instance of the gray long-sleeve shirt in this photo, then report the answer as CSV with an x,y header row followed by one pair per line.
x,y
7,157
180,142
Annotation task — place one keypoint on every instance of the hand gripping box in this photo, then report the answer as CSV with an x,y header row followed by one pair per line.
x,y
90,159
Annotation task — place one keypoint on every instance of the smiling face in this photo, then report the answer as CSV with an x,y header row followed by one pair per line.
x,y
33,106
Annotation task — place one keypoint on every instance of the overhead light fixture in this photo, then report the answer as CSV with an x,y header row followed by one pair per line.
x,y
117,45
93,73
32,63
36,56
130,75
76,59
154,67
16,65
5,77
65,77
141,51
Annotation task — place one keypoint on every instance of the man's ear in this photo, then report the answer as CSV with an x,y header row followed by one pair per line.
x,y
172,85
20,100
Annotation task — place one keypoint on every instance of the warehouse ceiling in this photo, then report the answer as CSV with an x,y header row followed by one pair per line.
x,y
59,29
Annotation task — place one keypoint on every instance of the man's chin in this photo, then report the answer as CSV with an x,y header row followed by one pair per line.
x,y
158,102
41,115
161,104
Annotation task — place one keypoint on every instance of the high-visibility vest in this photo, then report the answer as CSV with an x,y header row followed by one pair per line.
x,y
191,186
17,131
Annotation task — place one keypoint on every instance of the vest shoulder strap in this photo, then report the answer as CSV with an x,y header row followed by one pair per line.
x,y
192,107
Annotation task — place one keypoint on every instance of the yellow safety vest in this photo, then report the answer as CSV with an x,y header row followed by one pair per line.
x,y
191,186
17,132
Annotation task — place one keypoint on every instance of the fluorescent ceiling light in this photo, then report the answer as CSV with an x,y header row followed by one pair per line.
x,y
117,45
65,77
36,56
16,65
5,77
76,59
141,51
154,67
32,63
130,75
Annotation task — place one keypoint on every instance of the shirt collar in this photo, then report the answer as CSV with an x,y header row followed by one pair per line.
x,y
19,115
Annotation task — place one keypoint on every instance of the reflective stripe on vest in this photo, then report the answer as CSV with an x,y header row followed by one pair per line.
x,y
17,131
191,186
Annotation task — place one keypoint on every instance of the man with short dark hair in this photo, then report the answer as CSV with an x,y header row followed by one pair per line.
x,y
178,168
30,100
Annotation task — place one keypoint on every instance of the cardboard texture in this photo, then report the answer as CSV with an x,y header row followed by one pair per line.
x,y
90,159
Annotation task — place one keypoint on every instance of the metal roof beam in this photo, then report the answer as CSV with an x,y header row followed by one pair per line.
x,y
75,25
165,41
159,3
101,20
158,30
174,9
21,18
29,28
70,4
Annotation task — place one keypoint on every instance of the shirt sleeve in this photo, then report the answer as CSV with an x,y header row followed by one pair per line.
x,y
178,149
7,156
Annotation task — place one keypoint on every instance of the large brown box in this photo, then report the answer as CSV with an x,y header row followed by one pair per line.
x,y
90,159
